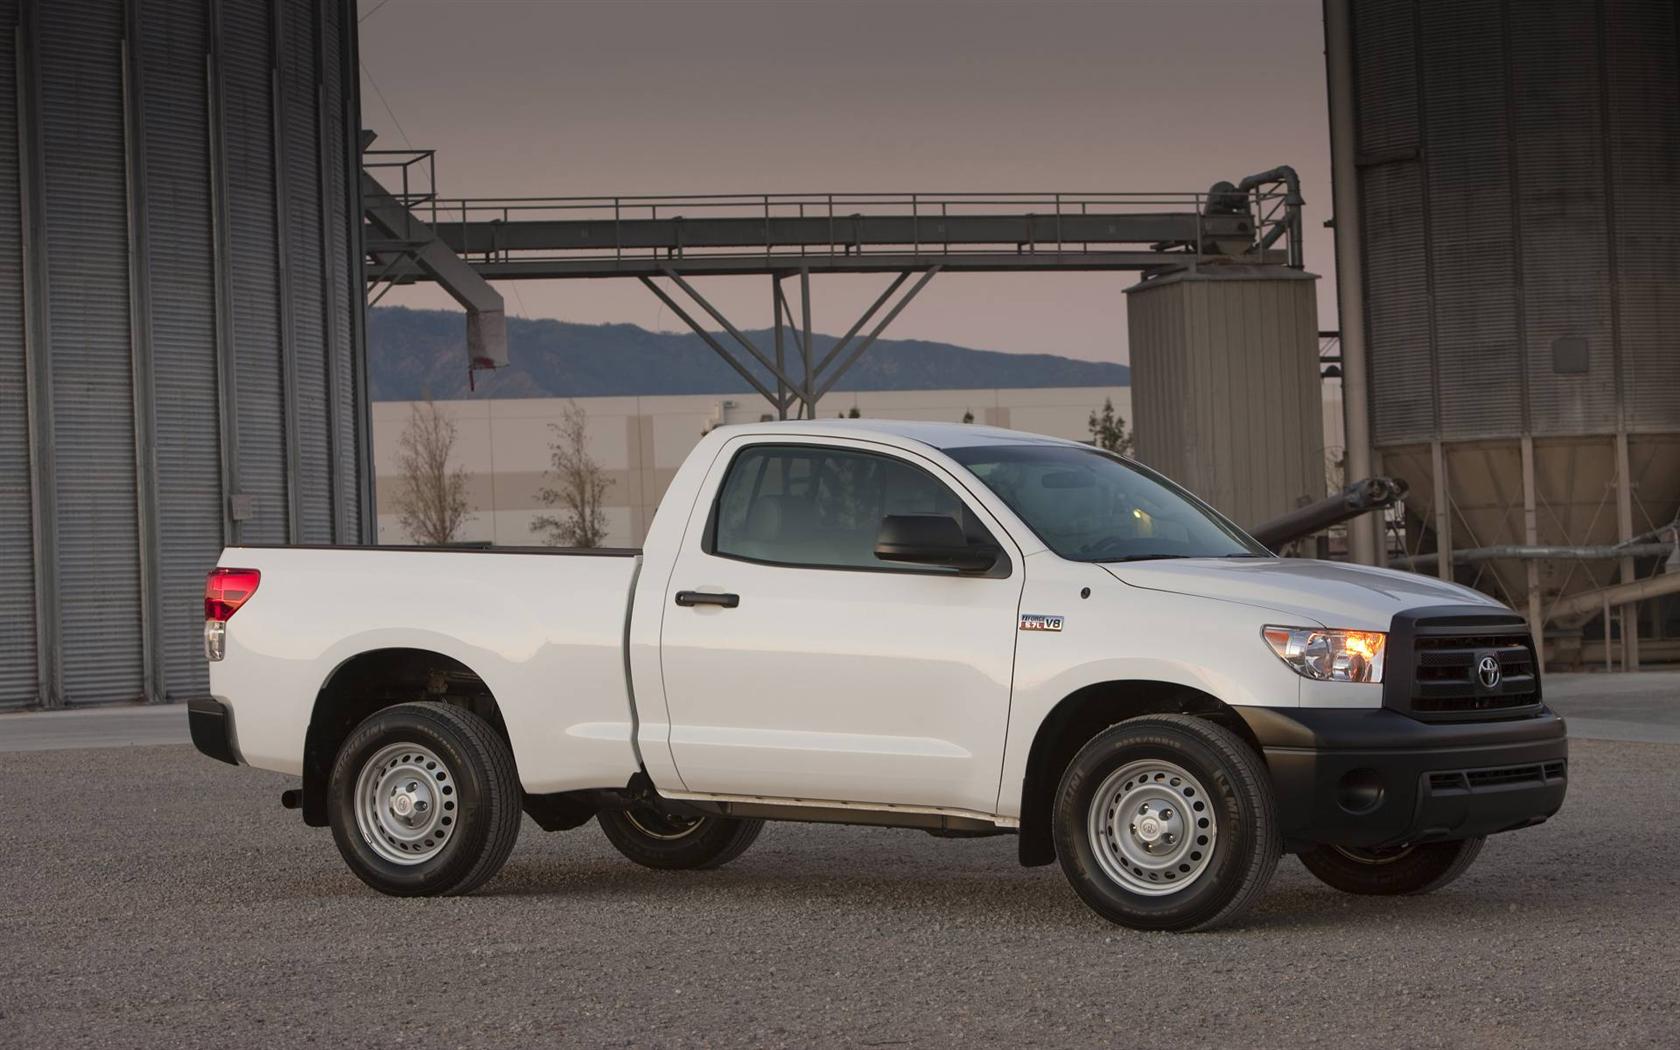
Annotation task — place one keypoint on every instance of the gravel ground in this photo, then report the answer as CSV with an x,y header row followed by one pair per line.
x,y
151,897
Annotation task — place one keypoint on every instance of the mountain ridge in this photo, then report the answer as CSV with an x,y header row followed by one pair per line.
x,y
413,354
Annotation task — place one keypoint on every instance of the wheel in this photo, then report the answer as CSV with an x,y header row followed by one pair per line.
x,y
1408,869
424,800
654,837
1166,822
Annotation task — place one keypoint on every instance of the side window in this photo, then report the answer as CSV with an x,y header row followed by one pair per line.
x,y
808,505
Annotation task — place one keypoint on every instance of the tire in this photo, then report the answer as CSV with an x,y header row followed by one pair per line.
x,y
424,801
1200,837
1389,873
656,838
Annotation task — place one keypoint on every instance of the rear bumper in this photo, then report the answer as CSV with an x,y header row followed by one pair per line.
x,y
211,725
1375,777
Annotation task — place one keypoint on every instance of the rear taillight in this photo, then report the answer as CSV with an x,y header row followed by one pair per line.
x,y
225,590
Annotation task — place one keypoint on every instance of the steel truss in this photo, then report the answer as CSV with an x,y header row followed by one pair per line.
x,y
811,381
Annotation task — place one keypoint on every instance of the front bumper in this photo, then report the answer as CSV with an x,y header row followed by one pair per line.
x,y
211,724
1374,777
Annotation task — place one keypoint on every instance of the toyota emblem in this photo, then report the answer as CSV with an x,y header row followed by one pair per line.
x,y
1488,671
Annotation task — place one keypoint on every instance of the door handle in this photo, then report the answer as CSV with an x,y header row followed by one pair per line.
x,y
688,599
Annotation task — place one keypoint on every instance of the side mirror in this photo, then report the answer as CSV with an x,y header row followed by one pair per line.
x,y
930,539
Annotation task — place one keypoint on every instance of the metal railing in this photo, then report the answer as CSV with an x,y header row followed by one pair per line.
x,y
1266,208
409,175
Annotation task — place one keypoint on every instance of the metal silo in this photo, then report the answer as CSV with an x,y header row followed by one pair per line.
x,y
178,304
1511,261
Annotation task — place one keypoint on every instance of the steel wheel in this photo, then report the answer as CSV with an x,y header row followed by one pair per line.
x,y
405,804
1374,856
1151,828
1417,868
656,824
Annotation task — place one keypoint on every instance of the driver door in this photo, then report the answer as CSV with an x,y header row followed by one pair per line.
x,y
797,665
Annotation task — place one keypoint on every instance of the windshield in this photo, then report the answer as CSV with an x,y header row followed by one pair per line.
x,y
1089,505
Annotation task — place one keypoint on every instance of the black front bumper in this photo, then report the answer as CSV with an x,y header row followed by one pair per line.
x,y
1376,777
211,725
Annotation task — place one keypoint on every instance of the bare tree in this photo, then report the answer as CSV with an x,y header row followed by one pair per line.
x,y
431,498
577,486
1108,430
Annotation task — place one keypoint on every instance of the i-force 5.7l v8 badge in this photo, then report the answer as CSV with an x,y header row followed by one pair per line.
x,y
1040,622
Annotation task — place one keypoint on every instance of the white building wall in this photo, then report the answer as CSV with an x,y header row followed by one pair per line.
x,y
640,441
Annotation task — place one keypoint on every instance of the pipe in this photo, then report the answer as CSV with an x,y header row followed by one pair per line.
x,y
1524,552
1350,265
1224,198
1620,594
1358,498
1672,528
1282,173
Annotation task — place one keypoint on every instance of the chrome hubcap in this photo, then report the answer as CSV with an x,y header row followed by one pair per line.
x,y
405,803
1152,827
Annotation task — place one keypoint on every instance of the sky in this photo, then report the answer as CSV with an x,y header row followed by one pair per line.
x,y
584,98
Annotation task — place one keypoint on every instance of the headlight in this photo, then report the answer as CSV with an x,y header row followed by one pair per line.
x,y
1330,655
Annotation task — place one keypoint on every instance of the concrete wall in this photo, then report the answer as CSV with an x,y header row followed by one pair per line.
x,y
640,442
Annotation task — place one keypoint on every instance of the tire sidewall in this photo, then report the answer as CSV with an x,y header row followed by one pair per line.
x,y
410,724
1233,846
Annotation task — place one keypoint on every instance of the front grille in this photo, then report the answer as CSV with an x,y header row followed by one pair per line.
x,y
1435,660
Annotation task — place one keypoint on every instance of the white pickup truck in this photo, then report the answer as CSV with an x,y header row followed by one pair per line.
x,y
960,629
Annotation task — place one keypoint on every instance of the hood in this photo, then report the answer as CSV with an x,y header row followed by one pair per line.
x,y
1326,593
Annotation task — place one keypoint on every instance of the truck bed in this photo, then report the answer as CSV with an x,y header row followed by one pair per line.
x,y
544,628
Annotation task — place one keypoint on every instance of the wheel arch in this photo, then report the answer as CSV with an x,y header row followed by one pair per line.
x,y
1083,714
371,681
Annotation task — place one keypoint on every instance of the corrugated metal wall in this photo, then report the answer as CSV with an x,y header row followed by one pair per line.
x,y
189,378
1225,386
17,578
1643,110
1515,161
171,55
79,65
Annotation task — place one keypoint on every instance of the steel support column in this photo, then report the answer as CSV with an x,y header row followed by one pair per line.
x,y
1624,533
331,283
1350,264
1531,536
1443,513
141,381
283,286
350,86
805,343
227,374
781,356
37,356
787,312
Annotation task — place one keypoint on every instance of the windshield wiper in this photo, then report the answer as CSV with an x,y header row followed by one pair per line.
x,y
1143,557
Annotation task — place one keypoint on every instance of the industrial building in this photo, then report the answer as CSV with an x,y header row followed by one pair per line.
x,y
191,221
1510,301
180,323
